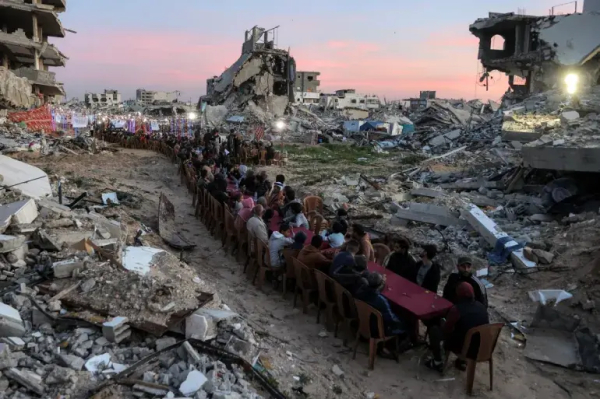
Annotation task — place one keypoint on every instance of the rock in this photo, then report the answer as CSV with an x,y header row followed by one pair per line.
x,y
543,256
60,375
568,117
74,362
529,255
6,359
29,380
162,343
54,306
193,382
88,285
337,370
11,324
200,327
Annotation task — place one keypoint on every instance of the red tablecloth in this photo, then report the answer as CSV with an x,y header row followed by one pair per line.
x,y
419,302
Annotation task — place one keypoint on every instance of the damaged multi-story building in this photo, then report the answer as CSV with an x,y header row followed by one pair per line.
x,y
537,52
26,26
306,87
263,75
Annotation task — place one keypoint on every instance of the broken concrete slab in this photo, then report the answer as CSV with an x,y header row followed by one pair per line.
x,y
576,159
553,346
29,380
193,383
52,209
217,314
21,212
140,259
11,324
428,213
65,268
33,182
200,327
427,192
470,185
569,117
11,243
516,131
490,231
71,361
116,330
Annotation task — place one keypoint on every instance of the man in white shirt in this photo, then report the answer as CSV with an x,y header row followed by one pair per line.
x,y
255,225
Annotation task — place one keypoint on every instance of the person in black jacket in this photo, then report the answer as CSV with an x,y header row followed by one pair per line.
x,y
425,273
465,274
467,313
401,260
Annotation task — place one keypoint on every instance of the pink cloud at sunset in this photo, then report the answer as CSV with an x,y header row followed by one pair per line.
x,y
170,61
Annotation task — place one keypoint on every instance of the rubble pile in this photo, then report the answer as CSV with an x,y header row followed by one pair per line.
x,y
81,311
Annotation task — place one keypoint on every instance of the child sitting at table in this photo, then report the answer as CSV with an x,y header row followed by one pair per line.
x,y
335,237
297,219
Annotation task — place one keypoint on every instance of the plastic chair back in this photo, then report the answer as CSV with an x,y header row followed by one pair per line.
x,y
488,338
381,253
326,287
365,313
313,203
304,277
315,221
346,303
289,255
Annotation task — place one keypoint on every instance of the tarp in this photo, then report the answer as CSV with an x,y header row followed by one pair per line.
x,y
79,121
36,120
372,125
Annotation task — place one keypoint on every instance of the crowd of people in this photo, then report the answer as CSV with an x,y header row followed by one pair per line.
x,y
342,250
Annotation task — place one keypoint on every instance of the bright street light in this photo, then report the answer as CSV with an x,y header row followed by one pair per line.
x,y
571,81
192,116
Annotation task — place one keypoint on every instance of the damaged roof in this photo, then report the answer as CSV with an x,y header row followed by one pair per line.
x,y
15,15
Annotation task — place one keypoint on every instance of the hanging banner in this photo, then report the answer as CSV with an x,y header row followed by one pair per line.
x,y
154,125
37,119
117,123
79,121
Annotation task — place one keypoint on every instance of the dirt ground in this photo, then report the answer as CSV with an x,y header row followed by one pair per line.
x,y
291,340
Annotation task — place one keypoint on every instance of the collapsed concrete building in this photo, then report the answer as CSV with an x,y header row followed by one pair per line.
x,y
24,48
263,75
537,52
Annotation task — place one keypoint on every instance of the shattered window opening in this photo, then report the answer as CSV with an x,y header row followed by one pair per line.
x,y
498,42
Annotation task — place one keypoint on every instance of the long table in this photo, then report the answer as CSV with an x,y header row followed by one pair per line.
x,y
419,302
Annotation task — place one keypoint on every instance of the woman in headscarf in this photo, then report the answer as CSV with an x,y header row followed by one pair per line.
x,y
246,212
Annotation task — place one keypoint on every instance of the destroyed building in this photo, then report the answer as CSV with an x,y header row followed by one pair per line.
x,y
24,48
537,52
349,98
306,87
262,74
108,98
147,97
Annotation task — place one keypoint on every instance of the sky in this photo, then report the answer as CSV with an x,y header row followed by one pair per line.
x,y
392,48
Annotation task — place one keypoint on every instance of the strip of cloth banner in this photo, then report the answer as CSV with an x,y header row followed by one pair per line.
x,y
36,120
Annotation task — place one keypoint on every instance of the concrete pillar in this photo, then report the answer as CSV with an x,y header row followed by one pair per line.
x,y
591,6
5,55
36,53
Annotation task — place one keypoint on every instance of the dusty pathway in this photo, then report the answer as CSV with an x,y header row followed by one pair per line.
x,y
293,345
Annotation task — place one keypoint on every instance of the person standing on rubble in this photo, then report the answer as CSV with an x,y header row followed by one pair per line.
x,y
465,274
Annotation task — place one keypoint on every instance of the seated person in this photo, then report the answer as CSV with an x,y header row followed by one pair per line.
x,y
278,241
263,185
425,273
290,198
237,203
366,248
466,313
267,216
335,237
371,294
344,259
312,257
400,260
465,274
297,219
248,183
342,218
299,240
246,212
279,181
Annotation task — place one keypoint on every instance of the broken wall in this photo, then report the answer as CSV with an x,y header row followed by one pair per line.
x,y
15,92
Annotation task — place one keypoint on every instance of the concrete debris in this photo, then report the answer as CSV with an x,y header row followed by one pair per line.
x,y
31,181
116,330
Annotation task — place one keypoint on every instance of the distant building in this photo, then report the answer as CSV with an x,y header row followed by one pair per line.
x,y
108,98
306,88
348,98
418,103
25,27
427,95
147,97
